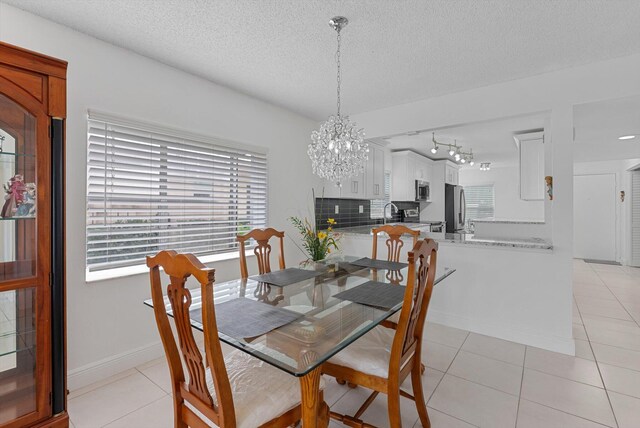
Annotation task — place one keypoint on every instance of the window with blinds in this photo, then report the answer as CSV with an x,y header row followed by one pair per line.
x,y
480,201
151,189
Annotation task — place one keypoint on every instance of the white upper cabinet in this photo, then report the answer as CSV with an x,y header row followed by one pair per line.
x,y
532,185
354,187
368,185
451,174
375,173
408,167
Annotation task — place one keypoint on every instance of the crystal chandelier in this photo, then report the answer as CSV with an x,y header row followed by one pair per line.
x,y
337,149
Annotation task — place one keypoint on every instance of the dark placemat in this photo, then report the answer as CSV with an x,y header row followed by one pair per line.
x,y
379,264
245,318
286,276
373,293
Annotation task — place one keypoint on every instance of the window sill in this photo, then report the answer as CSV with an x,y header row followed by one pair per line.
x,y
140,269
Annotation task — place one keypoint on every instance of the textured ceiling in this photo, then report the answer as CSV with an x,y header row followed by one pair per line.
x,y
394,52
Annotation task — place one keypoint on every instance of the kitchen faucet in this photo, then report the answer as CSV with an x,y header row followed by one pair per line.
x,y
384,211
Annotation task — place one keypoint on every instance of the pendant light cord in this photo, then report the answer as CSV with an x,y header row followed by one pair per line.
x,y
338,64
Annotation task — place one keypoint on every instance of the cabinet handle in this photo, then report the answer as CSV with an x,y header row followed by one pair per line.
x,y
356,185
376,189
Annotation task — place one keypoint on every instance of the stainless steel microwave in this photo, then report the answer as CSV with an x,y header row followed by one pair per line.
x,y
422,191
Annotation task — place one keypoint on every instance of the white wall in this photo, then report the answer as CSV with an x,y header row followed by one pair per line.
x,y
623,209
109,329
505,180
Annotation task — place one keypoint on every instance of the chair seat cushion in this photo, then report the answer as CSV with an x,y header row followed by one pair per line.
x,y
370,354
260,391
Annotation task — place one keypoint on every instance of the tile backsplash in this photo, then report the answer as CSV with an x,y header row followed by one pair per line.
x,y
349,212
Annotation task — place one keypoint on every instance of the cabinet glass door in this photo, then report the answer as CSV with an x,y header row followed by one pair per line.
x,y
20,282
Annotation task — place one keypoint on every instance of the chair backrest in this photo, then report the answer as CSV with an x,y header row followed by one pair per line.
x,y
179,267
420,279
262,249
394,242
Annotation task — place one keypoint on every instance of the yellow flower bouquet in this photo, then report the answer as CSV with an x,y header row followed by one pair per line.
x,y
317,244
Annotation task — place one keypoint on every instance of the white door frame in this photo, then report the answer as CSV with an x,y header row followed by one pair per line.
x,y
629,212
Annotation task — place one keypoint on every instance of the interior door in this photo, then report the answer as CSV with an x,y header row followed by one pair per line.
x,y
594,217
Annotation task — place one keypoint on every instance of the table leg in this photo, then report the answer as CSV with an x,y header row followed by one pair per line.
x,y
315,412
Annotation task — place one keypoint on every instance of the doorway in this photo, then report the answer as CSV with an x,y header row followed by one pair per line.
x,y
594,217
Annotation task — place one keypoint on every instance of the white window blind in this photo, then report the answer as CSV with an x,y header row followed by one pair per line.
x,y
149,191
480,201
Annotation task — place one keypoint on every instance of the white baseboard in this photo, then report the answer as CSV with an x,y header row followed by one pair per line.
x,y
552,343
110,366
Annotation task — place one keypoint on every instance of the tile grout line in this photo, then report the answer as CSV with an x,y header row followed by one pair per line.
x,y
606,391
133,411
617,299
447,369
111,379
440,381
151,380
524,362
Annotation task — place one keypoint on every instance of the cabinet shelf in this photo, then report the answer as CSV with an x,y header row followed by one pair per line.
x,y
17,155
17,218
13,343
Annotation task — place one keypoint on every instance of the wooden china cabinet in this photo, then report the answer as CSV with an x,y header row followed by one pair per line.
x,y
32,277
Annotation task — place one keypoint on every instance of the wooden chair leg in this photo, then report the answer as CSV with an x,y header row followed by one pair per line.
x,y
393,405
418,397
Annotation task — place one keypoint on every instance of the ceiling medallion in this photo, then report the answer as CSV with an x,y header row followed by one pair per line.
x,y
337,150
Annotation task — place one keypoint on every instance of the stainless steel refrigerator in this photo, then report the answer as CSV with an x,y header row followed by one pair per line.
x,y
455,211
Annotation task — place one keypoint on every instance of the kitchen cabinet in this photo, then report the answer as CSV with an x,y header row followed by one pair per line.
x,y
368,185
451,174
532,185
354,187
374,173
407,167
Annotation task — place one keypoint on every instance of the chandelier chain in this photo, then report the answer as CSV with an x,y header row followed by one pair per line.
x,y
339,80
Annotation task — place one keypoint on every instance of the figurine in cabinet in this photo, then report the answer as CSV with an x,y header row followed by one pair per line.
x,y
15,190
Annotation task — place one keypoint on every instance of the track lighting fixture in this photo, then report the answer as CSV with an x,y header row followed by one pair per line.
x,y
455,150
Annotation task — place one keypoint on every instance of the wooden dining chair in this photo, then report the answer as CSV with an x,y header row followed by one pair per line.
x,y
383,358
262,249
394,247
230,391
394,242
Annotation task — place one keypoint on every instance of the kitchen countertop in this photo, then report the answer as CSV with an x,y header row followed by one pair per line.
x,y
508,221
460,238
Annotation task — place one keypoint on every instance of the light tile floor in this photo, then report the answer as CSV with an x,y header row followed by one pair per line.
x,y
471,380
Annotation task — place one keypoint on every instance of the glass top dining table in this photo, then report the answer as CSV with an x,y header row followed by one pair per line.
x,y
324,324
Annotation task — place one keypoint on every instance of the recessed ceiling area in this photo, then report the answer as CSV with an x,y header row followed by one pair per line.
x,y
282,51
599,125
491,141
